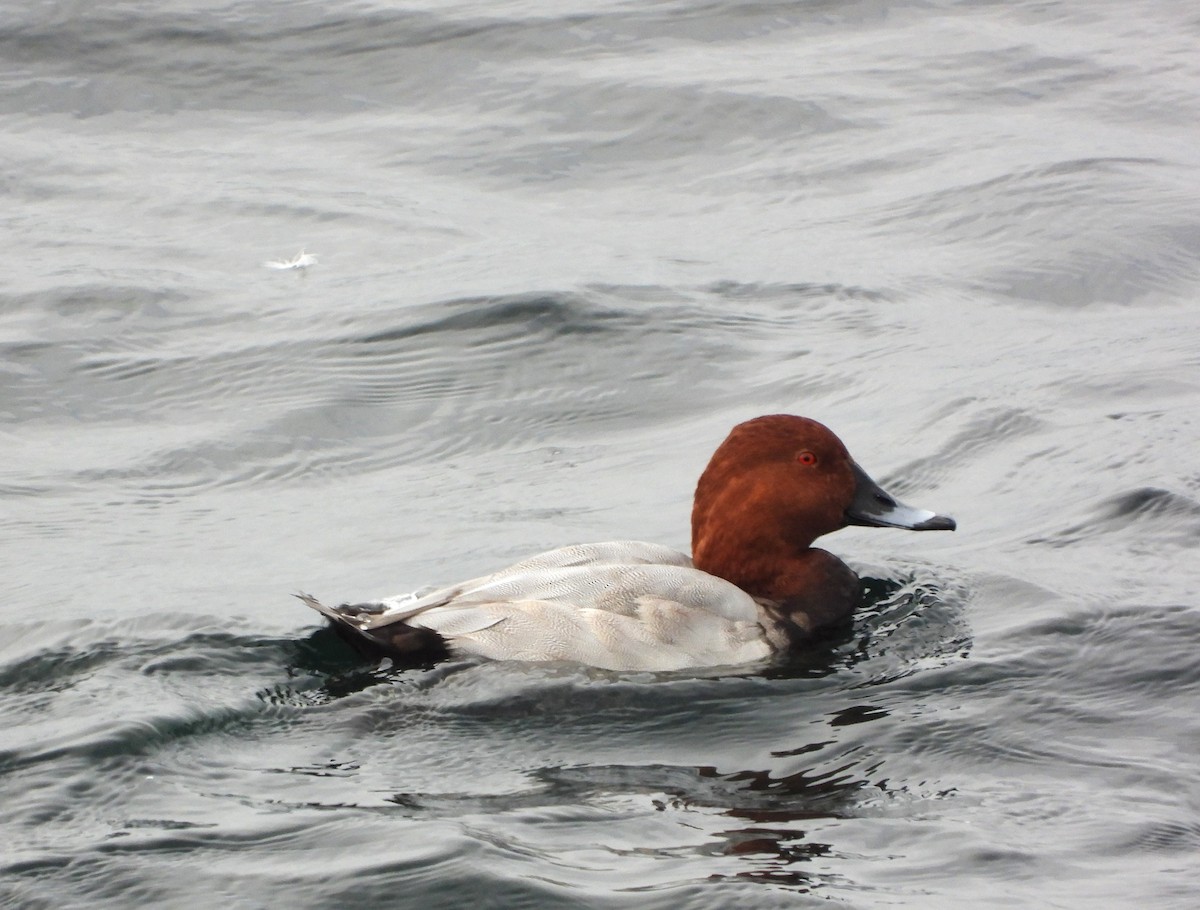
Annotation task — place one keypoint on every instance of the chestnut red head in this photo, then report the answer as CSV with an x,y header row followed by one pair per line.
x,y
775,485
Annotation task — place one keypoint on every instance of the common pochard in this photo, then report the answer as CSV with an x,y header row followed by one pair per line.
x,y
753,586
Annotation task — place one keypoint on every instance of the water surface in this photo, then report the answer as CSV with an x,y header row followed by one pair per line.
x,y
562,249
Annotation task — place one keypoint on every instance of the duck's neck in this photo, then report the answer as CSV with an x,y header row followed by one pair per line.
x,y
746,533
805,593
764,571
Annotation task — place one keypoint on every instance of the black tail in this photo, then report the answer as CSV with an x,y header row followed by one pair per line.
x,y
403,643
397,640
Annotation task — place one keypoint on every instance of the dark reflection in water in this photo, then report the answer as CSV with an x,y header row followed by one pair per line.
x,y
767,801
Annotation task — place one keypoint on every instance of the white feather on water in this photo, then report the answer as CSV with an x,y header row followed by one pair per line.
x,y
301,260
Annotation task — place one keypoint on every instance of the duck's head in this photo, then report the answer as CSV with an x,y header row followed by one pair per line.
x,y
775,485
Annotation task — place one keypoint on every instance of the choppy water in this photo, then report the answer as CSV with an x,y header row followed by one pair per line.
x,y
563,247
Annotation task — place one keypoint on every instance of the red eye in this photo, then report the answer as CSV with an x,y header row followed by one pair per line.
x,y
806,458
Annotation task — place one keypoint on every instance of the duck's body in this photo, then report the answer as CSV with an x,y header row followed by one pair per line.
x,y
757,586
621,605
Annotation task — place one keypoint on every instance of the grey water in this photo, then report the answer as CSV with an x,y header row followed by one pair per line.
x,y
562,247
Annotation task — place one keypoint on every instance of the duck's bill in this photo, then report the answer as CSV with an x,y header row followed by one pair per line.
x,y
873,508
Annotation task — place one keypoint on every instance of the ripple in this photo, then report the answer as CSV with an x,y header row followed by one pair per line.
x,y
1064,686
1168,837
451,378
92,680
982,433
1149,512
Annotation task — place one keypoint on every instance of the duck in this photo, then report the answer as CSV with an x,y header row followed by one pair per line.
x,y
753,587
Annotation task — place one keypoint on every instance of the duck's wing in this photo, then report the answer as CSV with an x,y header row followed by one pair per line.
x,y
560,575
619,605
653,634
